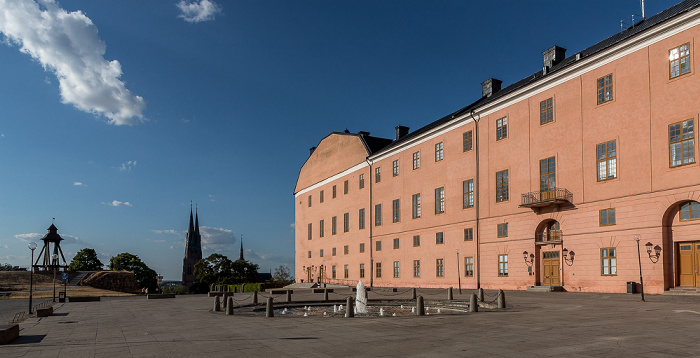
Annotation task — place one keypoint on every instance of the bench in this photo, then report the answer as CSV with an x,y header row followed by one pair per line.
x,y
8,333
84,299
44,312
160,295
280,292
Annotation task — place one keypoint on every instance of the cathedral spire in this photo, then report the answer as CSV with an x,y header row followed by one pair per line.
x,y
196,221
241,252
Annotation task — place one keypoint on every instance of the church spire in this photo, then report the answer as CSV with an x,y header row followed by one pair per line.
x,y
241,252
196,222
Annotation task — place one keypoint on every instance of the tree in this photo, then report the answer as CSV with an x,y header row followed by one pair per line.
x,y
219,269
145,276
282,275
85,260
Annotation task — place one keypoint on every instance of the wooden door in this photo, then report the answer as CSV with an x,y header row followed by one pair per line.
x,y
310,274
688,262
550,262
320,274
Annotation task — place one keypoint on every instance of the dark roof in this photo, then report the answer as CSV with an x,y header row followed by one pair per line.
x,y
372,144
637,28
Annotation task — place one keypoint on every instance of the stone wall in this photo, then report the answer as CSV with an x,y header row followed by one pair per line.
x,y
123,281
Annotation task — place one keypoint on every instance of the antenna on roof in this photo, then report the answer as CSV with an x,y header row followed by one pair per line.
x,y
643,10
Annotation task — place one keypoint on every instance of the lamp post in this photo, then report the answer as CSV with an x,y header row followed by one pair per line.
x,y
639,256
459,278
32,246
53,263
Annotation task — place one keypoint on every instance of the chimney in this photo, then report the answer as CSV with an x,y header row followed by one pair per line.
x,y
551,57
311,150
401,132
490,87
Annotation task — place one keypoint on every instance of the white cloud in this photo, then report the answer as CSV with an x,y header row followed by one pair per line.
x,y
118,203
32,236
67,44
35,236
128,165
211,197
292,225
174,232
216,239
204,10
77,183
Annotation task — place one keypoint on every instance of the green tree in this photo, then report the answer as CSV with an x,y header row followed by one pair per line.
x,y
85,260
145,276
219,269
282,275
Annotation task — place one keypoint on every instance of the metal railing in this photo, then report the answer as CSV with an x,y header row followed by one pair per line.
x,y
537,198
549,236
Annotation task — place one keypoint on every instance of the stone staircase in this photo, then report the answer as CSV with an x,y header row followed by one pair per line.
x,y
79,276
545,289
683,291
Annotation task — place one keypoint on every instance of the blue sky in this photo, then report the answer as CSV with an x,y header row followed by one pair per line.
x,y
114,115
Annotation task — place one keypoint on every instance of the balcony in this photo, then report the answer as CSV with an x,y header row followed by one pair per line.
x,y
548,237
539,199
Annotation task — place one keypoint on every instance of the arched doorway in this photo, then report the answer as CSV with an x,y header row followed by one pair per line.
x,y
548,239
681,245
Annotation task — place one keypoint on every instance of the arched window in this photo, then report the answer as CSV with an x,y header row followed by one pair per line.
x,y
690,211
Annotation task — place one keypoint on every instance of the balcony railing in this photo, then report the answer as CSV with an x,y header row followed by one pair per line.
x,y
548,237
555,196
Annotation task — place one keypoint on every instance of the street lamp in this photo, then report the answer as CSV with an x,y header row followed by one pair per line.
x,y
459,279
639,256
657,252
529,260
32,246
53,263
570,260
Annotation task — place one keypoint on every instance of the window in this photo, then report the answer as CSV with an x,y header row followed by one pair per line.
x,y
346,250
679,60
378,246
395,167
346,222
378,215
396,243
309,253
467,141
468,193
439,268
362,181
321,253
346,272
378,269
607,160
321,196
333,272
607,217
396,211
546,111
362,247
334,225
362,270
502,186
334,192
548,177
361,216
416,268
377,174
469,234
309,200
682,143
321,230
309,230
605,89
438,152
396,269
416,205
503,230
416,240
440,200
345,187
502,128
690,211
439,238
468,266
502,265
416,160
334,251
608,261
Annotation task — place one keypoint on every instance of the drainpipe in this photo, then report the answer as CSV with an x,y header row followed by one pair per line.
x,y
476,199
370,223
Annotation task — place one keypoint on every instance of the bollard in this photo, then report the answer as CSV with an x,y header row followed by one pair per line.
x,y
269,310
480,294
420,307
229,306
211,287
217,304
473,305
501,299
325,294
242,287
450,297
255,297
349,311
413,295
289,296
